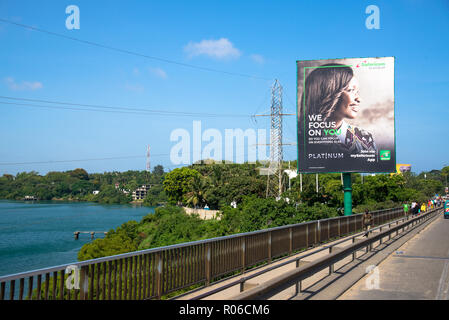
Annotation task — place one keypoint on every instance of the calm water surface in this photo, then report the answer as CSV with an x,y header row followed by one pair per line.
x,y
36,235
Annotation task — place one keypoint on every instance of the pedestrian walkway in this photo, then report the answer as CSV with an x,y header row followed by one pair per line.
x,y
419,269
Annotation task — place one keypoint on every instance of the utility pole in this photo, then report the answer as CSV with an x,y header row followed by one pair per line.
x,y
148,168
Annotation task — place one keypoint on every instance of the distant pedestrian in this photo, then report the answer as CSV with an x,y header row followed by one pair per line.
x,y
367,221
405,208
414,208
423,207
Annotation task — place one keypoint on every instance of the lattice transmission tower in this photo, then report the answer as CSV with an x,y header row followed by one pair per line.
x,y
276,154
274,170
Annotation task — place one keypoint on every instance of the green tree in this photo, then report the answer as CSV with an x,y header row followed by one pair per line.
x,y
155,195
158,170
178,182
122,240
197,196
79,174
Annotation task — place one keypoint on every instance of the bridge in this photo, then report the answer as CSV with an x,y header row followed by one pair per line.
x,y
402,257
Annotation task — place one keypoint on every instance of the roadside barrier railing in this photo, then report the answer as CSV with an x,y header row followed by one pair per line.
x,y
302,272
157,272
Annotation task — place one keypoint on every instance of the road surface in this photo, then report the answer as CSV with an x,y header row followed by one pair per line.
x,y
418,270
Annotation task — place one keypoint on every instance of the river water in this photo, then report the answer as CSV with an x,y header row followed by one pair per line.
x,y
35,235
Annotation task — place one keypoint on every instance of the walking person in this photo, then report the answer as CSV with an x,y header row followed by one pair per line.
x,y
423,207
414,209
405,208
367,221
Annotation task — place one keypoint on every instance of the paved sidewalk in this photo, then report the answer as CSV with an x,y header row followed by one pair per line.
x,y
418,270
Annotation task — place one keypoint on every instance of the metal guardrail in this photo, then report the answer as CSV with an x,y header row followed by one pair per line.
x,y
153,273
294,277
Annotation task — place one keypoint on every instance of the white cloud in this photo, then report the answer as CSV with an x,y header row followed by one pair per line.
x,y
158,72
218,49
257,58
24,85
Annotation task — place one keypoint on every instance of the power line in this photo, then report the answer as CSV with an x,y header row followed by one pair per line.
x,y
63,161
112,109
76,160
132,52
107,158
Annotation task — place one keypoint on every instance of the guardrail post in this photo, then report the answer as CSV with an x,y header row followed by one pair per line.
x,y
298,286
339,227
307,236
380,230
269,246
290,234
347,226
331,267
318,232
355,252
208,264
84,284
159,275
243,254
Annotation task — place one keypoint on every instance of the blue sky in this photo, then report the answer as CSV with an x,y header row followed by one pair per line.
x,y
262,39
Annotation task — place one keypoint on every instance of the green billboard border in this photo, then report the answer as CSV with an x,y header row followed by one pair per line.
x,y
297,109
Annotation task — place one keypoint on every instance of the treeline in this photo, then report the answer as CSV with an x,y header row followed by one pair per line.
x,y
78,185
220,185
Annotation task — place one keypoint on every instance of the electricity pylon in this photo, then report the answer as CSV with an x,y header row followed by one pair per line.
x,y
274,171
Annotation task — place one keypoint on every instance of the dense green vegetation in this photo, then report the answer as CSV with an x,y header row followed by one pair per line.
x,y
217,185
170,225
78,185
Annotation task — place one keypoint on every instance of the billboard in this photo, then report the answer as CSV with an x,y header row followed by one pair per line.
x,y
345,115
400,168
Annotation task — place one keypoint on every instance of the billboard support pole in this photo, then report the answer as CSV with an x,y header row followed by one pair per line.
x,y
347,188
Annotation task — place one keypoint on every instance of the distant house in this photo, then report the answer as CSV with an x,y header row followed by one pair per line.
x,y
141,193
95,192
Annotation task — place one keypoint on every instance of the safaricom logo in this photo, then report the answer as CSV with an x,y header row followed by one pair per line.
x,y
370,64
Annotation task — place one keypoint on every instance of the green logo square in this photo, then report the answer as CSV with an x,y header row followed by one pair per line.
x,y
385,155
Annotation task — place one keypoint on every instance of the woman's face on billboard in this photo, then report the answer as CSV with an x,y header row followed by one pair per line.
x,y
349,101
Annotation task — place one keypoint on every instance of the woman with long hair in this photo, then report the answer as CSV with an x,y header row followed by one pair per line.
x,y
332,91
